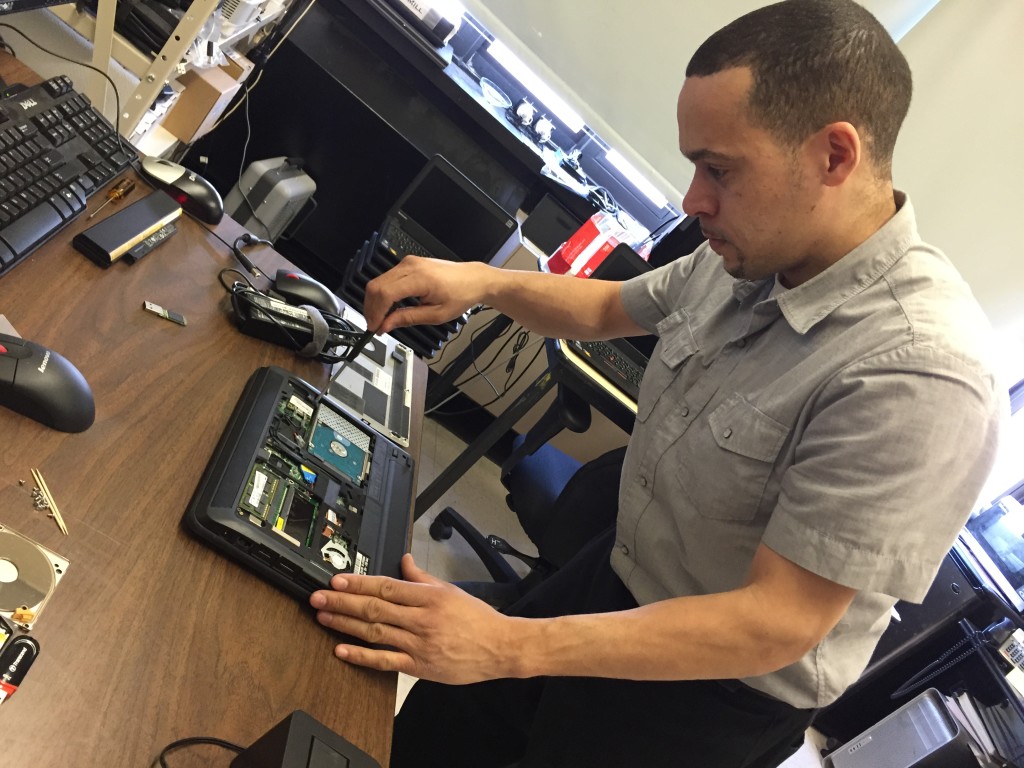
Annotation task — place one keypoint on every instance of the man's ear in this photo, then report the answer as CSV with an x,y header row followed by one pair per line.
x,y
841,152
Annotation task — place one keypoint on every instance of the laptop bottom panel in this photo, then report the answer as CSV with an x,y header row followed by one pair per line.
x,y
299,489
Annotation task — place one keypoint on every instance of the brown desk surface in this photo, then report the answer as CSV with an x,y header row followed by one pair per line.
x,y
151,636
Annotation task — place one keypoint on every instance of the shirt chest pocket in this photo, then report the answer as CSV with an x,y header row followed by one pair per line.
x,y
676,345
729,460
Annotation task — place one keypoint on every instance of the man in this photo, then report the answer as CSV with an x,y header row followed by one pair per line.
x,y
812,431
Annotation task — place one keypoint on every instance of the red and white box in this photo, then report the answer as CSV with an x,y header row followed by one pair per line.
x,y
584,251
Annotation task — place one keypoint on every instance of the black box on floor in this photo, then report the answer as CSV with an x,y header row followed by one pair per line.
x,y
299,741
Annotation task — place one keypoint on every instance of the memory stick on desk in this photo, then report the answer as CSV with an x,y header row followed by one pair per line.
x,y
166,314
15,661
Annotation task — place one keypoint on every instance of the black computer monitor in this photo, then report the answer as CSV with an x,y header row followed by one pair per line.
x,y
679,241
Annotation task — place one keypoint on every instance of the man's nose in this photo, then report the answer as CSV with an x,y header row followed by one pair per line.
x,y
698,200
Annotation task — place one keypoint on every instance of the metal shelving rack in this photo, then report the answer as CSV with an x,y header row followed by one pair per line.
x,y
152,72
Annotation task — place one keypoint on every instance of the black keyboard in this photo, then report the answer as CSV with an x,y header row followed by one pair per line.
x,y
56,151
401,243
621,364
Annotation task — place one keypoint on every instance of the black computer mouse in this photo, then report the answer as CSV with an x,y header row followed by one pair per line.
x,y
191,191
42,385
298,289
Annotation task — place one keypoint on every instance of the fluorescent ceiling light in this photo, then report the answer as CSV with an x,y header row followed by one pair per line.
x,y
452,10
626,169
536,86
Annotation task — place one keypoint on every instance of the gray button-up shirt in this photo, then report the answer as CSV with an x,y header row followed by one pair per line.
x,y
848,424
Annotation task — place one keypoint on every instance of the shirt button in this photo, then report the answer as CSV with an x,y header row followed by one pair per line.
x,y
643,481
728,433
685,412
624,549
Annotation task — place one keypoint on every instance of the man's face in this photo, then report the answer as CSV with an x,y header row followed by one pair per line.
x,y
754,196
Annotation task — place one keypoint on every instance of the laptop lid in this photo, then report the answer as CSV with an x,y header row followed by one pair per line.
x,y
377,386
449,215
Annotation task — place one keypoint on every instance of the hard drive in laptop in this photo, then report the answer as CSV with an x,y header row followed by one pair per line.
x,y
299,489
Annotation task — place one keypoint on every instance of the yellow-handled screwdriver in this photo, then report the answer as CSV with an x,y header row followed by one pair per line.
x,y
116,192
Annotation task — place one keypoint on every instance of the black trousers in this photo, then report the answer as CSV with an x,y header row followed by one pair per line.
x,y
556,722
567,722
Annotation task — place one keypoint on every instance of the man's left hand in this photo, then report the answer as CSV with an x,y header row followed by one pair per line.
x,y
434,630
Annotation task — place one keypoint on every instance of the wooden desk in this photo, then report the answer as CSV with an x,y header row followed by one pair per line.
x,y
151,636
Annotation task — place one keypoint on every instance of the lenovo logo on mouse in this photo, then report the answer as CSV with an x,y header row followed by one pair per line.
x,y
46,359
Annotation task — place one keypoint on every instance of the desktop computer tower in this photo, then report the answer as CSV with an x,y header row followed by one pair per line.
x,y
923,733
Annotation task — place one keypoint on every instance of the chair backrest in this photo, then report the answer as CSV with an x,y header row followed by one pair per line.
x,y
586,507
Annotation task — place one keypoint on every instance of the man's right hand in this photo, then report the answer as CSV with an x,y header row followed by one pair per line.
x,y
445,290
556,306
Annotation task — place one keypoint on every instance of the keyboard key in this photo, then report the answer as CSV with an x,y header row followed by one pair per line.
x,y
63,208
25,233
90,158
68,172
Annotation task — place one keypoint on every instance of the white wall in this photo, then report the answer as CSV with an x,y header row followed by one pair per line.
x,y
961,153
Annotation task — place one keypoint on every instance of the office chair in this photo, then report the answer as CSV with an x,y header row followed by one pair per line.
x,y
561,503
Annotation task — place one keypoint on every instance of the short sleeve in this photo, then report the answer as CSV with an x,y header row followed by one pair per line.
x,y
653,296
893,455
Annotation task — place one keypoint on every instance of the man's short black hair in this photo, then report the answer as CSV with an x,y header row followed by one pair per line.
x,y
816,62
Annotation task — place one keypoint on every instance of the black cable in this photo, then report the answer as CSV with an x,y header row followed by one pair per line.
x,y
248,239
241,167
117,98
472,353
472,336
521,341
444,349
603,199
341,333
261,62
490,362
496,399
180,743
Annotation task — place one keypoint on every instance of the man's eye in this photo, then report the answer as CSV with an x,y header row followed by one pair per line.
x,y
716,173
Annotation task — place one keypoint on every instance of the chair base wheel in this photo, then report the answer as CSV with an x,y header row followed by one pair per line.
x,y
440,530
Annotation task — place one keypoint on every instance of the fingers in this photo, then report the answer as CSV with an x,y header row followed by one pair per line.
x,y
386,661
440,287
395,285
391,590
374,608
374,632
419,315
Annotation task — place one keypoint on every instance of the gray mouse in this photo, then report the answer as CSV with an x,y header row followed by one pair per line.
x,y
299,289
192,192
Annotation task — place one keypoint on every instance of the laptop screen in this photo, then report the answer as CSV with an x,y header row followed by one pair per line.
x,y
456,212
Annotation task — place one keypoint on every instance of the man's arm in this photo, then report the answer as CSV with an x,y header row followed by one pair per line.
x,y
559,306
438,632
